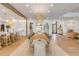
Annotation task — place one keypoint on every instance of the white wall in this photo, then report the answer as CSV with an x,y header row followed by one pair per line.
x,y
20,26
74,25
63,22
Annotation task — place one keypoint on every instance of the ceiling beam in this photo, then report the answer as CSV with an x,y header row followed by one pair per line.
x,y
13,9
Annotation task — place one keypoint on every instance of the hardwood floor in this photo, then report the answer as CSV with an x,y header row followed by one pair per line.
x,y
61,46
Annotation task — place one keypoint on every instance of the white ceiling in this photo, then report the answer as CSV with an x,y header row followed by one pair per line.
x,y
6,13
55,12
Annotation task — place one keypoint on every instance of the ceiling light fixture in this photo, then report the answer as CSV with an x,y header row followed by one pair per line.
x,y
51,5
48,11
27,5
4,10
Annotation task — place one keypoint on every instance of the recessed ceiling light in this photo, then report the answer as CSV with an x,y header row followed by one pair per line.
x,y
48,11
51,5
3,10
27,5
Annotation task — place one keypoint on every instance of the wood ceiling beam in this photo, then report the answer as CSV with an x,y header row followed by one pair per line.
x,y
13,9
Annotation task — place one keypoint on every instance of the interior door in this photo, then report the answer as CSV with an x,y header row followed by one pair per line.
x,y
2,27
54,28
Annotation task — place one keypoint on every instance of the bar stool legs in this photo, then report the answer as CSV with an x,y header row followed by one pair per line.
x,y
6,41
0,44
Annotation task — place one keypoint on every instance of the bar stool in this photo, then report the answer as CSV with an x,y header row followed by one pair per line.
x,y
8,37
5,40
15,36
12,37
2,40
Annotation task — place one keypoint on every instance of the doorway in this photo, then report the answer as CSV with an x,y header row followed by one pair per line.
x,y
54,28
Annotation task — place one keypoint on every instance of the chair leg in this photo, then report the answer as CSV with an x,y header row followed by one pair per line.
x,y
0,44
6,42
